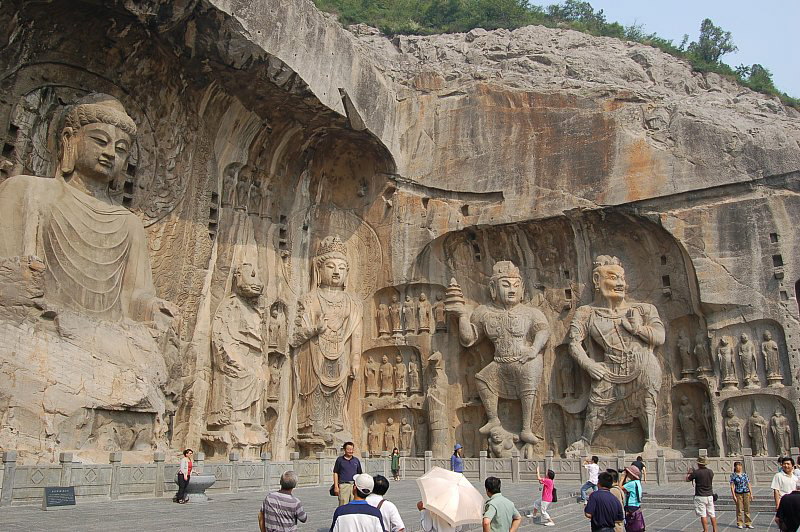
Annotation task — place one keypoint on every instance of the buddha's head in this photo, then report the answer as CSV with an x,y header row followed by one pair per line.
x,y
506,285
331,263
248,283
96,140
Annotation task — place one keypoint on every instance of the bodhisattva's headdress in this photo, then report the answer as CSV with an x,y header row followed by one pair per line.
x,y
99,108
599,262
504,269
331,247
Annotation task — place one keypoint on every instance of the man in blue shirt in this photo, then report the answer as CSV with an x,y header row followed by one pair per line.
x,y
603,508
346,467
358,515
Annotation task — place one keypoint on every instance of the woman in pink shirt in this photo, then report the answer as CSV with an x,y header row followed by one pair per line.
x,y
547,497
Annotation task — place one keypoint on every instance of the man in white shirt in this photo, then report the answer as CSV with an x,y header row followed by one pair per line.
x,y
784,481
591,465
391,516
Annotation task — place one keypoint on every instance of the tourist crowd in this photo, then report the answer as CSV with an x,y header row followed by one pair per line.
x,y
614,504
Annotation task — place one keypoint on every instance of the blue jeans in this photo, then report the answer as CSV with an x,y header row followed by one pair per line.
x,y
585,488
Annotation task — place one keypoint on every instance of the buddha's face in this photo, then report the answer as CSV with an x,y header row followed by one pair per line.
x,y
767,335
385,359
744,339
610,281
101,151
509,290
334,272
248,283
398,359
729,412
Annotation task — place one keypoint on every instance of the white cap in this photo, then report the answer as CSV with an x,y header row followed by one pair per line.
x,y
364,483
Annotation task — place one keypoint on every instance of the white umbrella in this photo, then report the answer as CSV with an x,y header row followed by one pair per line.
x,y
451,496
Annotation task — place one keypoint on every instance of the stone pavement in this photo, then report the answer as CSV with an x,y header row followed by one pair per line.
x,y
238,512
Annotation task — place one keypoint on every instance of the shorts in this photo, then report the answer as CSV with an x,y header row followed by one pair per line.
x,y
704,506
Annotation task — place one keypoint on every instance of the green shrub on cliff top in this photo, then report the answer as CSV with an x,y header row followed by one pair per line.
x,y
426,17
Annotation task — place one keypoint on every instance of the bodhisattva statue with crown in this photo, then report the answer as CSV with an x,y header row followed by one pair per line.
x,y
519,333
94,251
613,340
327,348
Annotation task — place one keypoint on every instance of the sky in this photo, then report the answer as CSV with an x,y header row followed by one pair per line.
x,y
766,32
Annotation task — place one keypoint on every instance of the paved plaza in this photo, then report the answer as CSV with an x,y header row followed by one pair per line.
x,y
237,512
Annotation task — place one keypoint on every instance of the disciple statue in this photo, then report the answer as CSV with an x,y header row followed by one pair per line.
x,y
468,433
757,430
265,190
372,385
688,423
406,435
387,377
327,341
747,357
733,433
383,320
684,347
519,333
439,314
424,313
274,382
772,361
391,436
276,327
781,431
374,438
400,374
704,364
613,340
229,179
242,190
395,311
726,368
95,253
436,405
240,370
254,198
470,382
413,377
410,316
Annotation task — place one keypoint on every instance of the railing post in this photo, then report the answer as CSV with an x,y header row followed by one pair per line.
x,y
749,465
661,468
265,457
582,470
199,460
620,459
482,465
158,459
515,465
428,460
9,471
65,459
386,465
114,458
321,461
548,461
233,458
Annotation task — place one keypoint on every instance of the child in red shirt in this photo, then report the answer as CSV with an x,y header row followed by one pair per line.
x,y
547,497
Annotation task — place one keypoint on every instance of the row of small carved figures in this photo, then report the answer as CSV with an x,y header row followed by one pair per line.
x,y
757,430
388,379
746,352
410,317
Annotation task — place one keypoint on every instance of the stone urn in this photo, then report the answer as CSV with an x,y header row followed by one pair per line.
x,y
198,484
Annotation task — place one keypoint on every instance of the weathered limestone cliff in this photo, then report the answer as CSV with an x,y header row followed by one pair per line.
x,y
329,216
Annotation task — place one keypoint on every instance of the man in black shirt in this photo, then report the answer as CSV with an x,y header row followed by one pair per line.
x,y
788,514
603,507
346,467
703,493
642,467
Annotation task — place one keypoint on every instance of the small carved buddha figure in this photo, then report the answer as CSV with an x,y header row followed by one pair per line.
x,y
772,361
733,433
95,252
726,367
372,383
424,313
747,356
387,376
757,430
400,376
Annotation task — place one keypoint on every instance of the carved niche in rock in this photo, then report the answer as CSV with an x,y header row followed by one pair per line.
x,y
613,340
240,366
687,420
684,348
327,343
518,332
277,327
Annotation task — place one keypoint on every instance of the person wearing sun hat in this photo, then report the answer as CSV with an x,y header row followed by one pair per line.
x,y
632,486
703,478
457,460
358,515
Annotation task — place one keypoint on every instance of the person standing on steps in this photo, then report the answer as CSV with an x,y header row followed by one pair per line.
x,y
346,467
184,474
703,478
395,464
594,470
547,497
457,460
740,491
642,468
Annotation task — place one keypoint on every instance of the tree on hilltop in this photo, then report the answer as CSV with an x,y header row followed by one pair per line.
x,y
714,42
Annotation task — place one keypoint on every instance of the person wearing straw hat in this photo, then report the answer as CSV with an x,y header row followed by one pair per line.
x,y
632,486
703,478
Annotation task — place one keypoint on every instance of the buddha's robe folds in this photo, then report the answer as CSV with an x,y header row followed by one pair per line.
x,y
95,252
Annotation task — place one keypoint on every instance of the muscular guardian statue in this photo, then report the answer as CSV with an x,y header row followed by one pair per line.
x,y
327,344
518,332
613,341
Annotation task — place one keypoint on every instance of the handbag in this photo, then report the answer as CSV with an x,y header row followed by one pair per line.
x,y
715,496
634,521
332,491
555,494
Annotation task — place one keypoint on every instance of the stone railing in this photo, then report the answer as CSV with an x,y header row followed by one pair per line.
x,y
23,484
